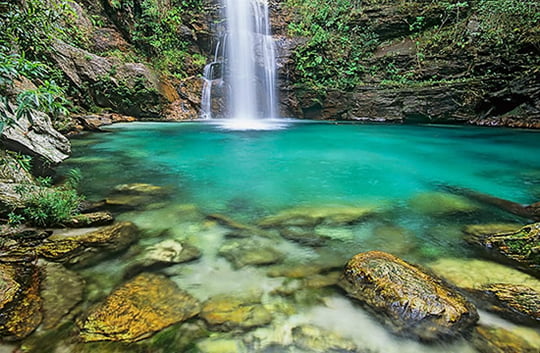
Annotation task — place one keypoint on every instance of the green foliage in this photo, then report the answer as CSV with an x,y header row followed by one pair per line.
x,y
31,26
160,33
332,55
46,206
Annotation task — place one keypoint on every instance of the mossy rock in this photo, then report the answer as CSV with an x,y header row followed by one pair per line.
x,y
499,340
235,312
20,302
138,309
87,220
408,300
520,248
220,345
514,302
441,204
476,230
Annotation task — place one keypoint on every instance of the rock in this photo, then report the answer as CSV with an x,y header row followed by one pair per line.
x,y
20,303
249,253
441,204
303,236
301,270
33,135
87,220
88,247
221,345
476,230
61,291
408,300
137,309
228,312
12,169
140,189
312,216
498,340
165,253
514,302
315,339
129,88
10,198
520,248
475,274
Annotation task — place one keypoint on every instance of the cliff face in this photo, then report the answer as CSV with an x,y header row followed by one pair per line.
x,y
474,62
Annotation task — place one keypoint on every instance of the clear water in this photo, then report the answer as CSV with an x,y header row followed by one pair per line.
x,y
249,175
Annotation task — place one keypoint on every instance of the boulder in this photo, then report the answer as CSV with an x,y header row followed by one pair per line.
x,y
408,300
228,312
249,253
34,135
20,302
87,247
13,170
61,291
488,339
520,248
518,303
136,310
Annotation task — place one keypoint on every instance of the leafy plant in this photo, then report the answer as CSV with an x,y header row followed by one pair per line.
x,y
46,206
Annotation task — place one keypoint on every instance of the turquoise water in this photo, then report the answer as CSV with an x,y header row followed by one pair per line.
x,y
317,163
399,172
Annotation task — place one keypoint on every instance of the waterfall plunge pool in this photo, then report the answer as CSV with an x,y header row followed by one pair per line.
x,y
406,175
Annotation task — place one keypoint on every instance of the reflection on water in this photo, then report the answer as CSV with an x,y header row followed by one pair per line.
x,y
399,174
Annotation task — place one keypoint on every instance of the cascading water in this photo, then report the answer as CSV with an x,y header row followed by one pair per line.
x,y
247,74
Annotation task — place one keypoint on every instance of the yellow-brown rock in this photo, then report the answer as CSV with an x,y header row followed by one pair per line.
x,y
498,340
235,312
136,310
20,303
408,300
88,247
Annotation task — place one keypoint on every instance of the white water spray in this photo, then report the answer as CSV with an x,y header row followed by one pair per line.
x,y
248,72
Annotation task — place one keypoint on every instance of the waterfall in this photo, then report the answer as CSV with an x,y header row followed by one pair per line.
x,y
245,56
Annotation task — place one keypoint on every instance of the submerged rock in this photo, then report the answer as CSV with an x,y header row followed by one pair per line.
x,y
61,291
515,302
88,247
441,204
407,299
165,253
303,236
20,302
228,312
315,339
477,230
140,188
475,274
498,340
313,216
249,253
521,248
136,310
221,345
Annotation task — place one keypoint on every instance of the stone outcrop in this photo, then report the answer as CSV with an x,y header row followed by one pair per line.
x,y
137,309
488,339
520,248
20,302
128,88
34,135
406,299
62,290
85,247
